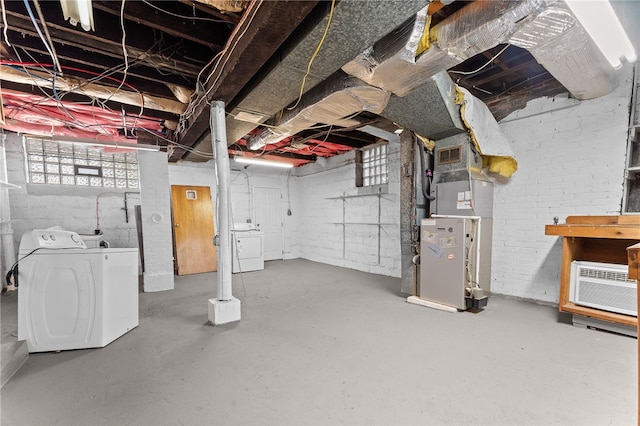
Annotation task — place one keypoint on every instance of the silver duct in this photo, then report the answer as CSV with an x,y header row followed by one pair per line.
x,y
544,27
560,44
392,63
331,102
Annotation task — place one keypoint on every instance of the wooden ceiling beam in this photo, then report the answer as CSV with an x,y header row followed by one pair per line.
x,y
229,17
205,34
253,43
69,36
351,139
504,104
70,55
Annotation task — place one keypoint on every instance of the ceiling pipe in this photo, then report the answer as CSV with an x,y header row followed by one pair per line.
x,y
82,86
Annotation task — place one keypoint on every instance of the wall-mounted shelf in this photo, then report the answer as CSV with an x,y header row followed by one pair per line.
x,y
344,224
345,197
363,223
8,185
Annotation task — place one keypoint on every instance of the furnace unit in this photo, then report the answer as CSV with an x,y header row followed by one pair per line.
x,y
455,243
450,262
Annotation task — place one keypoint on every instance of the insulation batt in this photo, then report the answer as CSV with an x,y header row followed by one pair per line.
x,y
486,135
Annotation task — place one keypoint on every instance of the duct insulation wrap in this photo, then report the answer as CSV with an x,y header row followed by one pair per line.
x,y
390,63
331,102
396,64
430,110
486,135
482,25
560,44
355,26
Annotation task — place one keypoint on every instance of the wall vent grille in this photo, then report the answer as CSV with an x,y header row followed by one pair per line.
x,y
603,286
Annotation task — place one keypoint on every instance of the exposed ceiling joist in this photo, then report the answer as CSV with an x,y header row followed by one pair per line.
x,y
352,139
251,46
79,58
143,14
229,17
61,33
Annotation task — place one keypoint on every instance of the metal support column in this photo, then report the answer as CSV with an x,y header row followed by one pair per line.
x,y
225,308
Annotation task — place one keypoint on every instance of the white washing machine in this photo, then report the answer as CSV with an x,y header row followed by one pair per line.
x,y
248,249
72,297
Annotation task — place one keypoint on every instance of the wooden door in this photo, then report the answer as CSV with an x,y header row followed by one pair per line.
x,y
193,229
268,208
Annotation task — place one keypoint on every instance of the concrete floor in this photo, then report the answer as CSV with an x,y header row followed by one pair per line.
x,y
324,345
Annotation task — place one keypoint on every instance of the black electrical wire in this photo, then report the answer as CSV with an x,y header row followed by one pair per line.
x,y
13,271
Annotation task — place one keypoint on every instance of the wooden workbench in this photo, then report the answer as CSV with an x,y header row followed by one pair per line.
x,y
595,239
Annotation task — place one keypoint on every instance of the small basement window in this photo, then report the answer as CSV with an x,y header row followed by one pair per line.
x,y
65,163
372,165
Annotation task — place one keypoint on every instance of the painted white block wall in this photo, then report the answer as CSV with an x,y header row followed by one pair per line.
x,y
338,227
156,220
571,159
43,206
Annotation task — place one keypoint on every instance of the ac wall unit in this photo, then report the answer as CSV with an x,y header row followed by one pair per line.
x,y
603,286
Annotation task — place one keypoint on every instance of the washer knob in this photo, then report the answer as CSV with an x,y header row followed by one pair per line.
x,y
75,238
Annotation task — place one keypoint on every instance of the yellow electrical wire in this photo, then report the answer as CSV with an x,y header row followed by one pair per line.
x,y
313,57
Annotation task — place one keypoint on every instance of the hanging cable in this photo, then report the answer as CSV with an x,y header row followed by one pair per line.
x,y
315,53
194,18
482,67
54,54
191,108
37,27
46,45
4,23
124,46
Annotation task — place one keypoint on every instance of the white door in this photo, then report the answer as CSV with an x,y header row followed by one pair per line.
x,y
268,207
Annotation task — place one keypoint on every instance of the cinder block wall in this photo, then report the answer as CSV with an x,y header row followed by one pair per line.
x,y
339,227
571,159
43,206
156,221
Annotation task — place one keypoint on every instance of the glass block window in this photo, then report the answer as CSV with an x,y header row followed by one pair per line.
x,y
71,164
372,165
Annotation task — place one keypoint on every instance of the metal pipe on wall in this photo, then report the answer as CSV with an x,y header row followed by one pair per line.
x,y
223,172
6,231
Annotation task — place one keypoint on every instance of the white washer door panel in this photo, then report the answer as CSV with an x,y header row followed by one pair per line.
x,y
61,302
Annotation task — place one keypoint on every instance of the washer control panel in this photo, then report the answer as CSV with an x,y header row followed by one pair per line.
x,y
55,239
